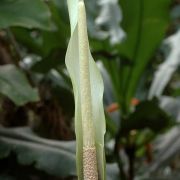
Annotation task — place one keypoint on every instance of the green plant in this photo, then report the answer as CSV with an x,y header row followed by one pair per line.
x,y
88,90
36,90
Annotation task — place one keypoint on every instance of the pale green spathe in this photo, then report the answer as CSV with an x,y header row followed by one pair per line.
x,y
96,85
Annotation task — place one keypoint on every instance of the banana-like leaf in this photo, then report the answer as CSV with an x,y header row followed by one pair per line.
x,y
96,87
145,22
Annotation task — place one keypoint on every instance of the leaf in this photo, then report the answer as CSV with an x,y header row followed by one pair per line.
x,y
44,154
167,147
61,90
43,43
147,115
72,63
54,157
176,92
24,37
14,85
54,60
25,13
167,68
48,44
145,23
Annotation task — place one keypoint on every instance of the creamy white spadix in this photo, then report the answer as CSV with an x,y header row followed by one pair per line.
x,y
88,92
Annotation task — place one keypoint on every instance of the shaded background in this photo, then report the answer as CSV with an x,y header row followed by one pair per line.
x,y
136,45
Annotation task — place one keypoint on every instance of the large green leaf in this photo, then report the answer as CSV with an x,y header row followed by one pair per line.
x,y
14,85
46,44
30,14
24,37
96,86
147,115
145,22
50,45
54,157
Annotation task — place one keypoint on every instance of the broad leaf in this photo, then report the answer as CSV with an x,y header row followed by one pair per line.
x,y
14,85
52,61
147,115
72,62
145,22
25,13
54,157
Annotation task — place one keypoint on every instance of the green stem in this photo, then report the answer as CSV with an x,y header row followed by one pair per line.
x,y
117,155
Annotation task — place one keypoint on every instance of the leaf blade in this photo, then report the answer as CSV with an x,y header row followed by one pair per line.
x,y
29,14
144,34
14,85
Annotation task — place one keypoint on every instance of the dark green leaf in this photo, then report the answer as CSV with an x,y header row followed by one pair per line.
x,y
33,43
14,85
147,115
25,13
56,158
52,61
145,22
176,92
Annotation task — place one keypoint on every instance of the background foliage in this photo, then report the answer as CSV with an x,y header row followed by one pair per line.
x,y
136,45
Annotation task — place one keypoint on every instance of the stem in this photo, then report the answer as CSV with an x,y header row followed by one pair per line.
x,y
130,151
89,150
116,152
118,158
